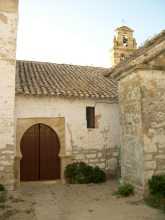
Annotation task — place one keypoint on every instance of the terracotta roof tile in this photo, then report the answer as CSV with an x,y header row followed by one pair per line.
x,y
38,78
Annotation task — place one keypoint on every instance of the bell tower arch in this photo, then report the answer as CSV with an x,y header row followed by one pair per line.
x,y
123,44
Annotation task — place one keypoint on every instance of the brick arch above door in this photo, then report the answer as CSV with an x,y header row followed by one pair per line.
x,y
57,124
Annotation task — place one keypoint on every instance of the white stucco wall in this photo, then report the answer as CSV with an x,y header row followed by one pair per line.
x,y
98,146
8,31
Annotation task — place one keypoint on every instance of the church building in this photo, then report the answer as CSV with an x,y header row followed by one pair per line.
x,y
54,114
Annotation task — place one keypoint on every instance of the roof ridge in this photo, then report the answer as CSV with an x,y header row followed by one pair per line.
x,y
148,42
67,64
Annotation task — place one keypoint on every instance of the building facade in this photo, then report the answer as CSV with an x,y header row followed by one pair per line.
x,y
79,104
54,114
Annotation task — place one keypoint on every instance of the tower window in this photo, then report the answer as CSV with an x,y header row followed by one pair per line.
x,y
90,117
125,40
122,56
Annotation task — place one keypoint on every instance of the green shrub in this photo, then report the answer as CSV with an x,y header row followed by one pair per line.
x,y
157,184
156,201
80,172
2,188
125,189
2,193
97,175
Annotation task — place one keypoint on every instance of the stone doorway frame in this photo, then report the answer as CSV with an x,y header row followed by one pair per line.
x,y
58,125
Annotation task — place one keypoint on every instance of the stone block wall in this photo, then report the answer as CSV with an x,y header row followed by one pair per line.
x,y
131,121
106,158
142,119
8,29
153,113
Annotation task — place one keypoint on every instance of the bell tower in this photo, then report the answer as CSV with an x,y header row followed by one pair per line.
x,y
123,44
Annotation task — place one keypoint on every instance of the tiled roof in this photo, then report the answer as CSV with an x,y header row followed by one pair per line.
x,y
141,51
38,78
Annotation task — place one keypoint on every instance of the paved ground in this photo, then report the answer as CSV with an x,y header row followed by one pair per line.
x,y
54,201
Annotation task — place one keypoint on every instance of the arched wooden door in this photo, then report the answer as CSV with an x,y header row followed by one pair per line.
x,y
40,148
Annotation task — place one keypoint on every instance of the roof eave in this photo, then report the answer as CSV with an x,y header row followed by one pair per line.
x,y
138,67
140,60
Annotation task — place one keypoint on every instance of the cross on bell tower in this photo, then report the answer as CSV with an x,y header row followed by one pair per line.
x,y
123,21
123,44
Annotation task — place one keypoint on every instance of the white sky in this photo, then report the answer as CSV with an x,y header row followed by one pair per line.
x,y
81,31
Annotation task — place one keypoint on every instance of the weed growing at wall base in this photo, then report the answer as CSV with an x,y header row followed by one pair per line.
x,y
124,190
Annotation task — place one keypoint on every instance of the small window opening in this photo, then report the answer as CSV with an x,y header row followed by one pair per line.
x,y
125,40
122,57
90,117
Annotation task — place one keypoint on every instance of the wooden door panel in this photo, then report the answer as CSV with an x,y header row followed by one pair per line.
x,y
40,149
49,150
29,164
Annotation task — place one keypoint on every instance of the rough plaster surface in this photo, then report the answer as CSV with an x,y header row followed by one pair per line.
x,y
96,146
8,27
9,6
142,118
131,120
153,113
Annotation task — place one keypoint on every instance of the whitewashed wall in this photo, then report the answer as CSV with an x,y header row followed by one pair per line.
x,y
98,146
8,31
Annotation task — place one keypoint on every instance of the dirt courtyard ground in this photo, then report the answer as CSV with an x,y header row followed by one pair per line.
x,y
54,201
